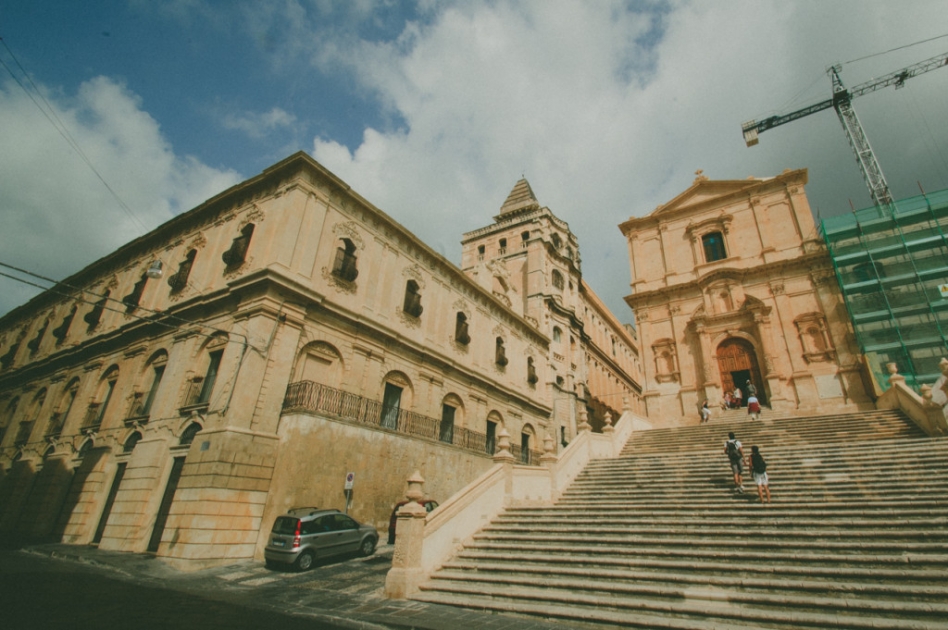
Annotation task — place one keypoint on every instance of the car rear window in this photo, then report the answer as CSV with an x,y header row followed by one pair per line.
x,y
285,525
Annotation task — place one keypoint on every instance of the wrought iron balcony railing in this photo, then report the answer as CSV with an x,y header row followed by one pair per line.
x,y
307,396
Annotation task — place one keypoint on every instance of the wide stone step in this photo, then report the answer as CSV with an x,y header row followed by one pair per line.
x,y
904,576
807,509
664,584
673,530
722,544
707,606
925,556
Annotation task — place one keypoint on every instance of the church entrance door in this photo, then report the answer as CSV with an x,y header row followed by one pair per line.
x,y
737,363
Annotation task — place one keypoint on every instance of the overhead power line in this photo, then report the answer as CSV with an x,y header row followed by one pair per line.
x,y
49,112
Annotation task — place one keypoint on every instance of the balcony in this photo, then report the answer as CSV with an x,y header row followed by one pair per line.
x,y
310,397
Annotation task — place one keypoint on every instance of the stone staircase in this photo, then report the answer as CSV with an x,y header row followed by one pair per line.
x,y
856,536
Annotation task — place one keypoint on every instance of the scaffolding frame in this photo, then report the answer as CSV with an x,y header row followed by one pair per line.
x,y
891,263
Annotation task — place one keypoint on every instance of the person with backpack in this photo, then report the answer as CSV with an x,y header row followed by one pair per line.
x,y
735,455
759,469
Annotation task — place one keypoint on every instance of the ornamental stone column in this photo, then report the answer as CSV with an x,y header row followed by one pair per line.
x,y
406,572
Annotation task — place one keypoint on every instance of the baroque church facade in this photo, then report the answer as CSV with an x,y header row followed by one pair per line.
x,y
731,283
181,392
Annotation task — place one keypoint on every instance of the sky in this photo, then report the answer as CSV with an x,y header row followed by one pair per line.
x,y
116,115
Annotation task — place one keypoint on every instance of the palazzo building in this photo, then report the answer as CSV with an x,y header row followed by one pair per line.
x,y
732,283
178,394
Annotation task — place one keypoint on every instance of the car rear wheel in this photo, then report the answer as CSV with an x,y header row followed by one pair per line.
x,y
368,547
305,561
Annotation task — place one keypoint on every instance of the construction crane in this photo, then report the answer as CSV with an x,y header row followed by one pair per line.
x,y
842,103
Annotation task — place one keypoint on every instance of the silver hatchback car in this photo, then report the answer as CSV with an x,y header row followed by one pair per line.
x,y
303,535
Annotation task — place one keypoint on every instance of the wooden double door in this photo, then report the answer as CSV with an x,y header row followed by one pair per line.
x,y
737,364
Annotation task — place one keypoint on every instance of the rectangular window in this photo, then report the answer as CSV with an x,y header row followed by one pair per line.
x,y
713,247
446,433
491,437
390,406
211,376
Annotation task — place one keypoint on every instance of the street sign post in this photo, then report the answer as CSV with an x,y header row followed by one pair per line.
x,y
350,480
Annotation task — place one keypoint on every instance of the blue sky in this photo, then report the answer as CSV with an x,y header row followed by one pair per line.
x,y
433,110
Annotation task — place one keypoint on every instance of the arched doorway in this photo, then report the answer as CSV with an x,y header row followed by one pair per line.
x,y
737,363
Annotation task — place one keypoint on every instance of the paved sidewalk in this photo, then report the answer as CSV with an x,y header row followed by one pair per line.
x,y
345,594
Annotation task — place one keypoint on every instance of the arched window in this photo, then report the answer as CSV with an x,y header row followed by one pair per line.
x,y
524,238
179,280
494,420
237,253
97,409
130,443
500,354
713,246
532,377
201,387
557,334
396,395
344,266
188,436
7,359
412,304
58,418
503,246
319,362
446,427
29,419
461,330
151,379
557,242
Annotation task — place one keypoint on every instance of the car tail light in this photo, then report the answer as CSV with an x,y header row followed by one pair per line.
x,y
296,535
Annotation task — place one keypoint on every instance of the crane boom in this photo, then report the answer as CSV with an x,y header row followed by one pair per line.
x,y
842,103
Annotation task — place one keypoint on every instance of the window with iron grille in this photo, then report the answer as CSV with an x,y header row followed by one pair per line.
x,y
344,266
461,330
237,253
93,317
132,300
179,280
62,330
412,304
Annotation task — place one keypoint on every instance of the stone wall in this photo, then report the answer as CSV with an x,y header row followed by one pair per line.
x,y
316,453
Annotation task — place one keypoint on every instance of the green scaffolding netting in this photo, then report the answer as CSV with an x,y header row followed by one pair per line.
x,y
892,266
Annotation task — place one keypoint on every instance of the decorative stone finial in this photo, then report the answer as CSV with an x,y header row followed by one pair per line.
x,y
584,423
894,371
415,483
503,454
608,428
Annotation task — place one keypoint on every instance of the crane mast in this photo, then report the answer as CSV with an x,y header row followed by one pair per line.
x,y
842,103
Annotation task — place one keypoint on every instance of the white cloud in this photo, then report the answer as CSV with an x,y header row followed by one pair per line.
x,y
608,119
57,216
258,125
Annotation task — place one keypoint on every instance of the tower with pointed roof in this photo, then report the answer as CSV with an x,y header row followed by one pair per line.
x,y
530,260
